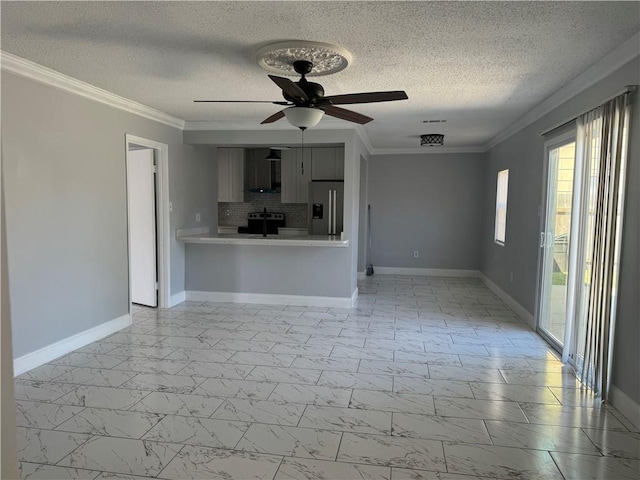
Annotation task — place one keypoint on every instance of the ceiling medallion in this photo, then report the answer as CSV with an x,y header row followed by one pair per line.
x,y
278,57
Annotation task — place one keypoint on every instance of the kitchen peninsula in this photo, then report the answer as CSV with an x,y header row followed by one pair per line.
x,y
291,268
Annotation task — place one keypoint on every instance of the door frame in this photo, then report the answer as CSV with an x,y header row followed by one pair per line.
x,y
162,216
552,143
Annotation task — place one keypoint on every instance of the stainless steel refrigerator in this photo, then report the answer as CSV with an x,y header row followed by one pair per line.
x,y
326,205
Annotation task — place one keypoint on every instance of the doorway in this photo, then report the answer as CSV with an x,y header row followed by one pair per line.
x,y
555,240
148,221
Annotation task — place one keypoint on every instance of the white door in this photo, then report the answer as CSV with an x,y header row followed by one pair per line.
x,y
141,197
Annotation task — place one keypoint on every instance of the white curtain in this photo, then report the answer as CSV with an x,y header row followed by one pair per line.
x,y
601,150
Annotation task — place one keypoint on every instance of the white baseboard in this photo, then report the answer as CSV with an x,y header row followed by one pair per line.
x,y
270,299
354,298
176,299
625,405
522,312
51,352
428,272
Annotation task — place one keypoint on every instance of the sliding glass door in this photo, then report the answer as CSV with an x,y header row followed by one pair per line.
x,y
555,238
580,240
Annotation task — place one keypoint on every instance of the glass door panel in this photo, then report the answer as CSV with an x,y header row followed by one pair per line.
x,y
554,242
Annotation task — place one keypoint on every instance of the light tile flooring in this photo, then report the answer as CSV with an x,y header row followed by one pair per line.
x,y
429,378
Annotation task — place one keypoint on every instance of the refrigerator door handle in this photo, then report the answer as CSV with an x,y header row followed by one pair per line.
x,y
335,212
330,213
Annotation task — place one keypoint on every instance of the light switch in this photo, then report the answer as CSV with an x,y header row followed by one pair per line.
x,y
197,217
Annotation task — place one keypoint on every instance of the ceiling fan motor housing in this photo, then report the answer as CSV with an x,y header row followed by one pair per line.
x,y
314,91
303,67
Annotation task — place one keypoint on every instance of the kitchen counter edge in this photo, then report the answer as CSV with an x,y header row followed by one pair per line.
x,y
272,240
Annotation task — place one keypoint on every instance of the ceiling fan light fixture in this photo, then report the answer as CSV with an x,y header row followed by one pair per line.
x,y
303,117
432,140
273,156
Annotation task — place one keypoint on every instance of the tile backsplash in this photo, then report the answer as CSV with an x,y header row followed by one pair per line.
x,y
235,214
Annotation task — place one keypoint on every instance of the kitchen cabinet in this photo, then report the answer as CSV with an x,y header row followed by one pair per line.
x,y
327,163
295,175
260,172
231,174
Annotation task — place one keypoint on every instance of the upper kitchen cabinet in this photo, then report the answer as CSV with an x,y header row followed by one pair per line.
x,y
327,163
262,174
231,174
295,175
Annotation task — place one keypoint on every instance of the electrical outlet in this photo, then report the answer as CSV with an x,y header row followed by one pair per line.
x,y
416,253
171,206
197,217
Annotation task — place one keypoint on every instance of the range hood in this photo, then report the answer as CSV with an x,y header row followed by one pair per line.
x,y
261,173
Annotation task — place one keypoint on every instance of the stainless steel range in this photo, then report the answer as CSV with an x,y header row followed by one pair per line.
x,y
266,223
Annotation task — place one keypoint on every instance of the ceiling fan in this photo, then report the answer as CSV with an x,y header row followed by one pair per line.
x,y
306,103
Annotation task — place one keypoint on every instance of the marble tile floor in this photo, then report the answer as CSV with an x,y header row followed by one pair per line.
x,y
428,378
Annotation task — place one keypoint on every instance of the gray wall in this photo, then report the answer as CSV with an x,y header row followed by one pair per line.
x,y
363,223
626,358
8,454
193,188
522,153
431,203
64,165
353,179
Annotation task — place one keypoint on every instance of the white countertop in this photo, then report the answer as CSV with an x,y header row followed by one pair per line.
x,y
259,240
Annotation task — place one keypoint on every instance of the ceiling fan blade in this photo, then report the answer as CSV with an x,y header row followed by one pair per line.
x,y
243,101
345,114
367,97
290,88
273,118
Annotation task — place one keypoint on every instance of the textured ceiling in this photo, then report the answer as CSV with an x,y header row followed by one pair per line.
x,y
479,65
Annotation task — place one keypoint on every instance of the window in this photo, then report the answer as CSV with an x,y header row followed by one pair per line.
x,y
500,229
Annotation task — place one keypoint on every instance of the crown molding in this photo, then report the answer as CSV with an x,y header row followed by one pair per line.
x,y
614,60
427,150
26,68
364,137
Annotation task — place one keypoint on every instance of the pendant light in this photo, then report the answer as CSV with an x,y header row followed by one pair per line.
x,y
273,156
